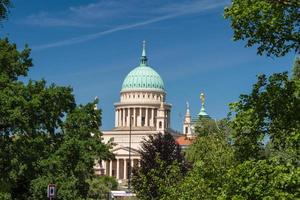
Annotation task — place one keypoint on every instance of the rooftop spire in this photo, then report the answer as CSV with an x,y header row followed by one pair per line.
x,y
144,57
188,109
202,111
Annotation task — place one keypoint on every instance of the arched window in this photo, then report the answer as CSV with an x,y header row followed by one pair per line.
x,y
160,124
186,129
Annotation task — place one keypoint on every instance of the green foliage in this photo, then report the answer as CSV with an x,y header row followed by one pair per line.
x,y
296,75
12,62
212,150
232,161
44,137
100,186
271,25
5,5
5,196
211,156
271,110
263,179
206,126
296,69
162,165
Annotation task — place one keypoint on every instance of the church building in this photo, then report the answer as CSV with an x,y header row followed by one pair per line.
x,y
142,111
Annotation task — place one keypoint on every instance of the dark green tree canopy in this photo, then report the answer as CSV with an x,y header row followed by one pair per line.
x,y
272,25
162,164
296,69
4,9
12,62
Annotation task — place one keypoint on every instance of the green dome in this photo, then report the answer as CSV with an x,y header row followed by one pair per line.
x,y
143,77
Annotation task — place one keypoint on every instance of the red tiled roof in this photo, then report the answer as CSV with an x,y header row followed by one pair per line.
x,y
184,141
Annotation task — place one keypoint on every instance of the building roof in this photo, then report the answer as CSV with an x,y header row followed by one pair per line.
x,y
184,141
143,77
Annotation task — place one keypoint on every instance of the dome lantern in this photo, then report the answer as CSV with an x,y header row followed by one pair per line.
x,y
144,58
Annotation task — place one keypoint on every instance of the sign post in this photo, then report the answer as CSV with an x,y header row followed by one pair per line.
x,y
51,191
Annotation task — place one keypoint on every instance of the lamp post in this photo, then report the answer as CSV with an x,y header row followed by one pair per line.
x,y
129,170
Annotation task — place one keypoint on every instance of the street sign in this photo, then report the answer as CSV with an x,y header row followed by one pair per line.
x,y
51,191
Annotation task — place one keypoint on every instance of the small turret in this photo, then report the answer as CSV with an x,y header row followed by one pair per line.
x,y
161,117
187,122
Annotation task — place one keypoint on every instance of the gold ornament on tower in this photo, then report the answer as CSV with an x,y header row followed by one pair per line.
x,y
202,98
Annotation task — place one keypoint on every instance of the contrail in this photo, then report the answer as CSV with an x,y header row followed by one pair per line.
x,y
84,38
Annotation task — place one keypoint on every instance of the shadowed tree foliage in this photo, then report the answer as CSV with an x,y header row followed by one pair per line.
x,y
5,5
271,25
162,165
296,69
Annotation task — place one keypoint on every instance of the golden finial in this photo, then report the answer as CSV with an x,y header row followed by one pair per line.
x,y
202,98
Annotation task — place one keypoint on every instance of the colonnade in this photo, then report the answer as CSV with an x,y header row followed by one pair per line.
x,y
141,116
119,168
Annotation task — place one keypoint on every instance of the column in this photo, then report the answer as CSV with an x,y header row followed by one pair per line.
x,y
110,168
125,169
140,117
118,166
116,118
134,117
128,118
123,117
120,117
146,118
152,116
119,120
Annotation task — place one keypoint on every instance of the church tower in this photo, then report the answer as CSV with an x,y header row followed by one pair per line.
x,y
187,125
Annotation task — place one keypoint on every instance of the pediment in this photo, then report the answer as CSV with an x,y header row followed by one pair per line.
x,y
125,151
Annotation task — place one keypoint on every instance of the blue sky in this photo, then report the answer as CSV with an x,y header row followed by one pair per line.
x,y
92,45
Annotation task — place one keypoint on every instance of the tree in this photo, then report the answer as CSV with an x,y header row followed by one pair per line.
x,y
72,163
270,111
211,155
272,25
296,69
262,179
269,114
100,186
162,165
206,126
44,136
4,9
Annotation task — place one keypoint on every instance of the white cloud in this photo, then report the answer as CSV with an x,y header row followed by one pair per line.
x,y
45,19
78,16
166,12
